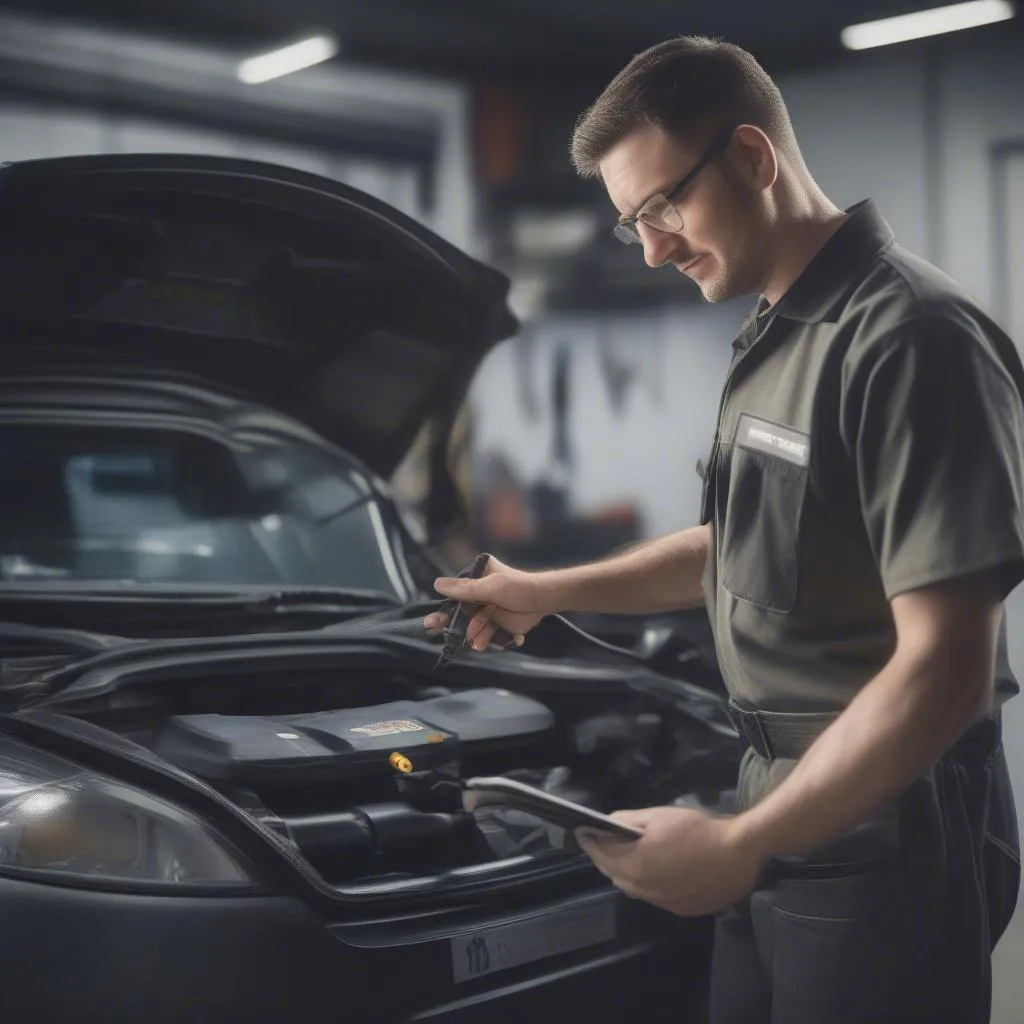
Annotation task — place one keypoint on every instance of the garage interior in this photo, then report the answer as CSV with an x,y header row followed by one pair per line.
x,y
580,433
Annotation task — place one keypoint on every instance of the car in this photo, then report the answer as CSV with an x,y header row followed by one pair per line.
x,y
232,779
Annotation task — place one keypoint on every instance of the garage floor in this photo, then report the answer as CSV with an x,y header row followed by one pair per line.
x,y
1008,973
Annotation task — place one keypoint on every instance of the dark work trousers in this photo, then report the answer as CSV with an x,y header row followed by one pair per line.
x,y
894,923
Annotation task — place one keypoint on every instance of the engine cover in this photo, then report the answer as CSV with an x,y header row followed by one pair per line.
x,y
352,741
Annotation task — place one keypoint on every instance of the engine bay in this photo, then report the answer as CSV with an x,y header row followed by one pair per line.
x,y
362,772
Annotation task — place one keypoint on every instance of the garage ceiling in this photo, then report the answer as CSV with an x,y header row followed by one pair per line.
x,y
511,39
535,64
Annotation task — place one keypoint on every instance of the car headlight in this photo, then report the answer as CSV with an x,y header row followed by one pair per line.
x,y
93,827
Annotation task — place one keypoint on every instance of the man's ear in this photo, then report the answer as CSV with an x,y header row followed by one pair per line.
x,y
754,157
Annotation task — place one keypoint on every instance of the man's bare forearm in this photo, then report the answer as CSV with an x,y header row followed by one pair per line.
x,y
656,576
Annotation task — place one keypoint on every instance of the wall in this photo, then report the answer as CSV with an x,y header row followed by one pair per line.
x,y
116,70
32,131
863,131
981,94
644,449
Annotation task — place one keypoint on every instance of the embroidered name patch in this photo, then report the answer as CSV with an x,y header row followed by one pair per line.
x,y
783,442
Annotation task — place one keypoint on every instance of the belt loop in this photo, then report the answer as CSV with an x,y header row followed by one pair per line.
x,y
750,726
767,750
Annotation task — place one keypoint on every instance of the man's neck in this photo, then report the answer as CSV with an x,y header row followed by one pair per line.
x,y
802,233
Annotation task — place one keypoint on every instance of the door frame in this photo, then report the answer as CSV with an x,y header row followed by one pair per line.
x,y
1000,155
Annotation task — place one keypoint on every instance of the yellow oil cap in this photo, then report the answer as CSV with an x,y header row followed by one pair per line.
x,y
400,763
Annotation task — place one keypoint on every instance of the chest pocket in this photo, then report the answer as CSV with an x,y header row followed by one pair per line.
x,y
765,489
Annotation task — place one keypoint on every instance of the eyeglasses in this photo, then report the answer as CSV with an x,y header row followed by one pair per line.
x,y
659,212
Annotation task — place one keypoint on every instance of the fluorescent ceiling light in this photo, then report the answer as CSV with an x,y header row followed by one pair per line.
x,y
286,60
926,23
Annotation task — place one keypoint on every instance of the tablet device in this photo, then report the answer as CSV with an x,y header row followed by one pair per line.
x,y
484,792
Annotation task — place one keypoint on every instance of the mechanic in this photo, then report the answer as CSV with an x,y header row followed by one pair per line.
x,y
860,528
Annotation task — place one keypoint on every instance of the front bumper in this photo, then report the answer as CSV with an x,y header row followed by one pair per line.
x,y
73,955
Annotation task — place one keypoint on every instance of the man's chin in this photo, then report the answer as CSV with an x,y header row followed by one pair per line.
x,y
712,287
714,292
719,290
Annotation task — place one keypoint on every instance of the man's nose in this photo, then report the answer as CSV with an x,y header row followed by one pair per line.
x,y
658,245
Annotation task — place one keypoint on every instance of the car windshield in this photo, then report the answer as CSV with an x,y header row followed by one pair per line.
x,y
171,507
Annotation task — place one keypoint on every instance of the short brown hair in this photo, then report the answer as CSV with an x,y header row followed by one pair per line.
x,y
677,86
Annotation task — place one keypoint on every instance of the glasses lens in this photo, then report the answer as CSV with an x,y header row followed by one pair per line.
x,y
661,215
626,233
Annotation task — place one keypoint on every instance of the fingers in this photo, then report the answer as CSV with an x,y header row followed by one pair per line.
x,y
609,854
637,819
447,586
479,633
609,859
435,622
591,846
633,892
466,591
484,630
481,629
589,841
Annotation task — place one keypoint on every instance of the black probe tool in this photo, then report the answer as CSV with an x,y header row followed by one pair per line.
x,y
459,617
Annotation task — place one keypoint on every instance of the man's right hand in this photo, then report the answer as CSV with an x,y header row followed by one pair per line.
x,y
504,598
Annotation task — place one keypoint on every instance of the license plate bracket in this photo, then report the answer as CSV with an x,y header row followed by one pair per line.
x,y
565,930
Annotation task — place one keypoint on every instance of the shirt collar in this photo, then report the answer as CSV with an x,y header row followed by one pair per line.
x,y
828,277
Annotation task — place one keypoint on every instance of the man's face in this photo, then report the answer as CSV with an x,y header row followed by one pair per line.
x,y
723,242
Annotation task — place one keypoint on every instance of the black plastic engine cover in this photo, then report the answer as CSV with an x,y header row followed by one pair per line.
x,y
352,741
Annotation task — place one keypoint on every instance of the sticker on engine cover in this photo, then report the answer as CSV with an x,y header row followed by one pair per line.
x,y
388,728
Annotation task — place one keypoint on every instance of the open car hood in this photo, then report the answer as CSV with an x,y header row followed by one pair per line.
x,y
299,292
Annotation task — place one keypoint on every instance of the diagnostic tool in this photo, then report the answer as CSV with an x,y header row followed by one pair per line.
x,y
459,617
486,792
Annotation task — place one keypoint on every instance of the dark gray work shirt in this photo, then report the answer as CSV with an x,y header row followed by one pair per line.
x,y
870,441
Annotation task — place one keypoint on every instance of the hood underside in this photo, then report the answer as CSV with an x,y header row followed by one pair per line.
x,y
301,293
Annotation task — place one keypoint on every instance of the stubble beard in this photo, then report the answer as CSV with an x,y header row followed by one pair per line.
x,y
735,279
741,274
738,275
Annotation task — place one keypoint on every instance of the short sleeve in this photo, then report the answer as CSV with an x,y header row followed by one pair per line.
x,y
935,423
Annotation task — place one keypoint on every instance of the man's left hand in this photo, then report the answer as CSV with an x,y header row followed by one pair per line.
x,y
686,862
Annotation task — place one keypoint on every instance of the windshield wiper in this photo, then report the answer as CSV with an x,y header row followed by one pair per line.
x,y
218,594
131,602
318,599
18,637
